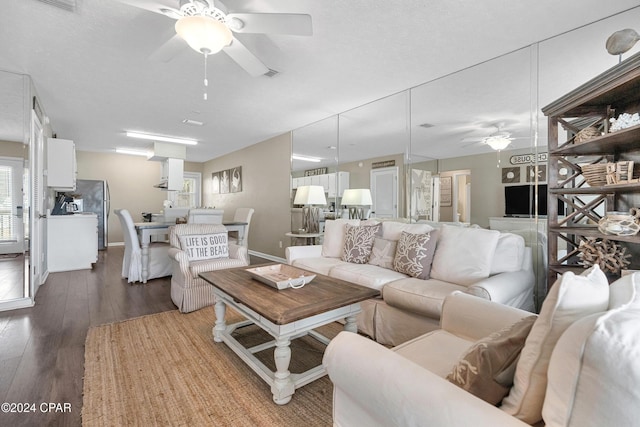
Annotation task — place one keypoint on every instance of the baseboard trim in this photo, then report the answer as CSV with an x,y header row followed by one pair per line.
x,y
267,256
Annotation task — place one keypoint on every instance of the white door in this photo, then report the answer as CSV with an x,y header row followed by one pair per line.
x,y
384,192
38,214
11,228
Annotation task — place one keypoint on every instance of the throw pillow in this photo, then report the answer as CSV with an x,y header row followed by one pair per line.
x,y
487,367
383,253
414,254
598,353
334,232
205,246
571,297
358,242
464,254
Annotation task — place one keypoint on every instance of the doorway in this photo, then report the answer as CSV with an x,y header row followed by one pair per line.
x,y
384,192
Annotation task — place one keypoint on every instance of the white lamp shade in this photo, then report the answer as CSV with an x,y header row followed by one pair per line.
x,y
203,33
356,197
310,195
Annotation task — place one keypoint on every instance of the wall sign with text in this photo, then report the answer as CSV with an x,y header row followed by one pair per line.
x,y
523,159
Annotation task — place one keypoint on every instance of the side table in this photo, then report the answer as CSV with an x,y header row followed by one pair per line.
x,y
307,238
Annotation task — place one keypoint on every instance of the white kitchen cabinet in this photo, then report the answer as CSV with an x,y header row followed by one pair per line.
x,y
338,182
61,164
334,183
172,176
72,242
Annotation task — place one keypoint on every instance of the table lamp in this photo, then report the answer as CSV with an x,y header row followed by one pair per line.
x,y
309,195
355,198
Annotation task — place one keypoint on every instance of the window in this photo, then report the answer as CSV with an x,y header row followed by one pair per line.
x,y
189,197
7,231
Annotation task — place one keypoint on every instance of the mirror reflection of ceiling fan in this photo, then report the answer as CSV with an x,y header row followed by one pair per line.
x,y
208,29
498,140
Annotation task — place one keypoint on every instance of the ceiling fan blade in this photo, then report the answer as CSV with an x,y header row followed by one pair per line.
x,y
271,23
155,6
247,60
169,50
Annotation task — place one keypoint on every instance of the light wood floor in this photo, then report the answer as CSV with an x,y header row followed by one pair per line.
x,y
42,347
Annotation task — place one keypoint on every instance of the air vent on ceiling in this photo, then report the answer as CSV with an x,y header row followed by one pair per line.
x,y
426,125
68,5
271,73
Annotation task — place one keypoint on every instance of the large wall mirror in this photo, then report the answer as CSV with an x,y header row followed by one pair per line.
x,y
14,189
436,136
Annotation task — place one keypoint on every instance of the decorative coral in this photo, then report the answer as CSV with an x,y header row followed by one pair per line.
x,y
607,254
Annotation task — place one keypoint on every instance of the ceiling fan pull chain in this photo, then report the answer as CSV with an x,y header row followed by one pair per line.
x,y
206,82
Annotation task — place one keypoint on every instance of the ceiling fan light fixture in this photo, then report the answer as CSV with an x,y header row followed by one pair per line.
x,y
204,34
498,142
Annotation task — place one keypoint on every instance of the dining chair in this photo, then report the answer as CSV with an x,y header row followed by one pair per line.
x,y
242,215
159,264
205,216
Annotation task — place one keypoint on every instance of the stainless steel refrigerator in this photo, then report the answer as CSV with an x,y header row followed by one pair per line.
x,y
95,198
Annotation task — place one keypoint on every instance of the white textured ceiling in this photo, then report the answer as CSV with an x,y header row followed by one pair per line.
x,y
92,71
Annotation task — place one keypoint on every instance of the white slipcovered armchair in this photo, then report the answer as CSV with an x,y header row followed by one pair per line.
x,y
188,291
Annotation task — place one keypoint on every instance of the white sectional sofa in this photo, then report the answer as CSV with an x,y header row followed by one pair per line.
x,y
486,263
576,366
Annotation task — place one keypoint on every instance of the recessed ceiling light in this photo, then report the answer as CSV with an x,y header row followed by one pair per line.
x,y
161,138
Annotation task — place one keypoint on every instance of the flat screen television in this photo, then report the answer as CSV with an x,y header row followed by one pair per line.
x,y
518,201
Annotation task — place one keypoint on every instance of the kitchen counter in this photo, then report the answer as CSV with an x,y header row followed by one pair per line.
x,y
72,241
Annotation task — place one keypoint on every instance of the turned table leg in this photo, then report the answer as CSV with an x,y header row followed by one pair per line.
x,y
283,388
220,326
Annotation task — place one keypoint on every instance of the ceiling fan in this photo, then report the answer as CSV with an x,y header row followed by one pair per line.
x,y
498,140
208,28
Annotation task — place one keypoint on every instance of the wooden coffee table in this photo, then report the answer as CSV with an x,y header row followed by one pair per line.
x,y
286,315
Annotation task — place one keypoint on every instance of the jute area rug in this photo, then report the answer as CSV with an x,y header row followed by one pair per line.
x,y
165,370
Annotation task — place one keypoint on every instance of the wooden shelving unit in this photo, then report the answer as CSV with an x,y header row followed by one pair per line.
x,y
608,95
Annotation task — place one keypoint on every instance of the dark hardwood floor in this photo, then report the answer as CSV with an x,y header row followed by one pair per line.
x,y
42,347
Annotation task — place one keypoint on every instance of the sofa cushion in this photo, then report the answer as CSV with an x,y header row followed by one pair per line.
x,y
367,275
436,351
392,230
463,255
333,240
572,297
509,254
424,297
594,371
205,246
321,265
414,254
486,369
383,252
358,243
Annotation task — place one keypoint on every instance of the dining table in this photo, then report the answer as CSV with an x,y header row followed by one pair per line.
x,y
147,230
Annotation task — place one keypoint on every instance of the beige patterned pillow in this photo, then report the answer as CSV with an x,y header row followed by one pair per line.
x,y
486,369
383,252
414,254
358,242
